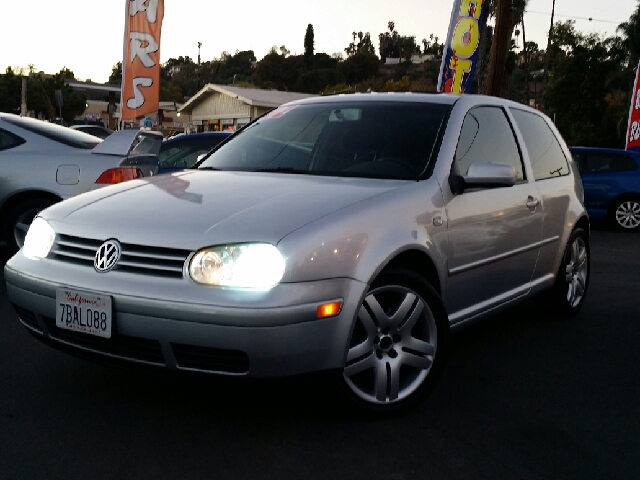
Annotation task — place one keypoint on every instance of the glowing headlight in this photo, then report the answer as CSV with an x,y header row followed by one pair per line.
x,y
39,239
258,266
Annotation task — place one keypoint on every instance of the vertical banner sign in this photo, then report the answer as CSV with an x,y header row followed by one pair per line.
x,y
633,131
462,45
141,62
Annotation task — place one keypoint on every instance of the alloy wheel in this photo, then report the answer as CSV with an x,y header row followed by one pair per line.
x,y
627,214
577,271
393,345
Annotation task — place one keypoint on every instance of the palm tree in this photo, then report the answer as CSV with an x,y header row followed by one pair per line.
x,y
508,14
631,36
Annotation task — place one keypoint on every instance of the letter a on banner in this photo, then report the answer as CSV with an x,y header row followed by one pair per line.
x,y
462,45
633,131
141,61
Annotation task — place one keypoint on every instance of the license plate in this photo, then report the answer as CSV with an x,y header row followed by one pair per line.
x,y
83,312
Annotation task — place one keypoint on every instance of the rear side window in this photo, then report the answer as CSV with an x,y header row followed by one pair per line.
x,y
185,153
545,153
603,162
9,140
487,137
57,133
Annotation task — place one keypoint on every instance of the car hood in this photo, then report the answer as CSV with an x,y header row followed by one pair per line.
x,y
193,209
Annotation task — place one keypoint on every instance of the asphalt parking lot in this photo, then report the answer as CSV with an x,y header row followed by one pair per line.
x,y
522,397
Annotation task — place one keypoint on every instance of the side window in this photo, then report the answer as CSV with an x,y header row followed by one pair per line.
x,y
545,153
9,140
602,162
487,137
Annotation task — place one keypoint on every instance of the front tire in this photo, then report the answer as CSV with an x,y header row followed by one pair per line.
x,y
625,214
19,219
397,349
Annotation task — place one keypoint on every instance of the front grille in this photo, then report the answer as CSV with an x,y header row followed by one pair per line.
x,y
124,346
139,259
210,359
28,317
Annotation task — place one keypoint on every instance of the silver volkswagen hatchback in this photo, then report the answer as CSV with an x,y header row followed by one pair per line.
x,y
347,233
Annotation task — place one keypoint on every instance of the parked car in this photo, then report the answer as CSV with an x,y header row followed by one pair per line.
x,y
180,152
611,179
95,130
42,163
344,233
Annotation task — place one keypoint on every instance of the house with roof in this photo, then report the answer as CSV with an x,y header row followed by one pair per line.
x,y
229,107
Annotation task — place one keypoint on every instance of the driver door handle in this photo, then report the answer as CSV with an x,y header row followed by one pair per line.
x,y
532,203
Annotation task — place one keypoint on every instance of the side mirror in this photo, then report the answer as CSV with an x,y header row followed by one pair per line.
x,y
484,175
200,157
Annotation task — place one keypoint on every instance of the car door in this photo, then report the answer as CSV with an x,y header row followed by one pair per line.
x,y
494,233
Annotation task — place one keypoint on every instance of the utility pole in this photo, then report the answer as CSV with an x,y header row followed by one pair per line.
x,y
526,59
547,54
499,48
199,45
23,103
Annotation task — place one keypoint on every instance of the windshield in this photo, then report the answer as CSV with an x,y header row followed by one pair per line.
x,y
378,140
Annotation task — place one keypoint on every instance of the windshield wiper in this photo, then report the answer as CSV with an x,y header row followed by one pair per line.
x,y
284,170
209,168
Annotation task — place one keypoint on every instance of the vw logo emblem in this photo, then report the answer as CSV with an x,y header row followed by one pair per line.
x,y
107,256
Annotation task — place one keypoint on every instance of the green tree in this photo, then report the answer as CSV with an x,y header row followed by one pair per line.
x,y
116,73
359,67
10,91
309,46
41,96
361,44
388,42
584,93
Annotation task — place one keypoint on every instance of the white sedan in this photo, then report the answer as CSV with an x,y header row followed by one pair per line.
x,y
42,163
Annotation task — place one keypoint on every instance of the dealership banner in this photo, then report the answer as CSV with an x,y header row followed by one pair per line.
x,y
462,46
141,61
633,131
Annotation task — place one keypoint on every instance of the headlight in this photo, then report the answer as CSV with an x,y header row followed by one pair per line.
x,y
39,239
257,266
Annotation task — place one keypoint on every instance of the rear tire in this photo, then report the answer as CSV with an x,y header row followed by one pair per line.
x,y
567,296
19,219
398,345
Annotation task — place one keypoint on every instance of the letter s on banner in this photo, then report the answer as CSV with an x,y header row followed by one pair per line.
x,y
633,130
462,45
141,59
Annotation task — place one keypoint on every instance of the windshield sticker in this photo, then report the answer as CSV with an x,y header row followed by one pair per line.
x,y
279,112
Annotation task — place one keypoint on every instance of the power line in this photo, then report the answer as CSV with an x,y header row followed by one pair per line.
x,y
590,19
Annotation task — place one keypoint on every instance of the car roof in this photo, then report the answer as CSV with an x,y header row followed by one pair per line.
x,y
635,153
468,100
442,98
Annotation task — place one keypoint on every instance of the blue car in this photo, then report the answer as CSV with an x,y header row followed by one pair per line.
x,y
611,180
183,151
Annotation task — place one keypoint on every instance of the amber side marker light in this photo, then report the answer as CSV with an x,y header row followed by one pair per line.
x,y
329,309
118,175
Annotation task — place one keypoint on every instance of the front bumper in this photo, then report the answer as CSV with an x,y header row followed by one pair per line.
x,y
266,334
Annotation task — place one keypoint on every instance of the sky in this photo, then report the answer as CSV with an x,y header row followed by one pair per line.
x,y
86,35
